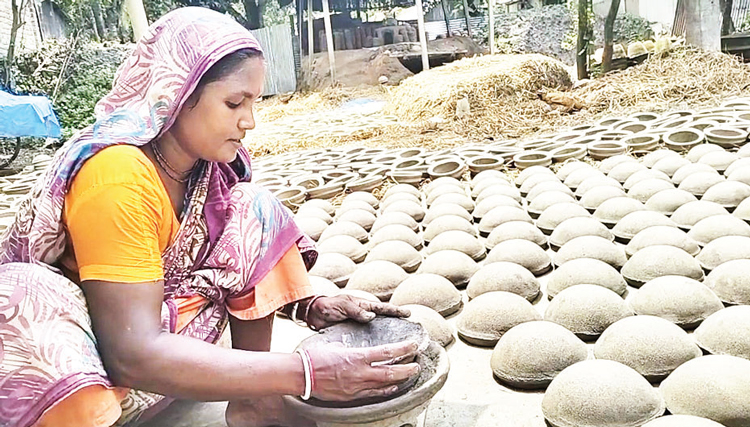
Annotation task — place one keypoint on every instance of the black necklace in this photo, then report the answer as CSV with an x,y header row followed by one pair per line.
x,y
167,168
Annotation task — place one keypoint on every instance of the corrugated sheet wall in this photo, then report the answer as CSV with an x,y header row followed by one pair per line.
x,y
740,10
435,28
276,41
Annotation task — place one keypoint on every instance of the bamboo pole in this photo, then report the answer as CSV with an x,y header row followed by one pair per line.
x,y
138,19
310,35
491,4
423,37
329,40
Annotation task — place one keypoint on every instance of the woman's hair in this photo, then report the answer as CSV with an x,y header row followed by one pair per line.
x,y
222,68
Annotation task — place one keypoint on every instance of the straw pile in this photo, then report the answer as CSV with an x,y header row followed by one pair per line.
x,y
487,82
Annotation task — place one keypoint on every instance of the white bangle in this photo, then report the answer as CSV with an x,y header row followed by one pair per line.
x,y
295,308
308,373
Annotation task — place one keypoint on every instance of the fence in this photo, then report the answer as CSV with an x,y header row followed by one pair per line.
x,y
435,28
276,41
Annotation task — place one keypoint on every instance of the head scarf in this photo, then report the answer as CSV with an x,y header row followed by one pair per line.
x,y
150,88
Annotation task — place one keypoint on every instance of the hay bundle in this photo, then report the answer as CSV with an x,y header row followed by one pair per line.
x,y
488,82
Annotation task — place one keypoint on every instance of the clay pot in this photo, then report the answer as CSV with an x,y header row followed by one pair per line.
x,y
624,170
594,182
394,218
603,149
726,332
670,165
569,167
726,136
556,214
740,175
554,348
585,271
579,175
644,175
644,190
591,247
397,232
506,277
587,310
613,210
657,261
731,281
444,189
728,194
492,202
683,139
483,185
698,183
693,168
515,230
454,198
482,163
311,226
459,241
682,421
742,163
598,195
650,159
742,211
397,197
681,300
379,278
400,253
399,188
613,395
634,223
447,223
436,326
713,387
445,209
662,235
335,267
348,205
535,179
429,290
366,183
713,227
522,252
499,216
577,227
532,158
724,249
719,160
454,265
451,168
408,207
362,196
544,187
686,216
488,316
562,154
547,199
361,217
323,205
642,142
667,201
488,174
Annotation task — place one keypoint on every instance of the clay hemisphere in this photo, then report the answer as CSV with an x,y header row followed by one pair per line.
x,y
436,326
587,310
591,247
397,252
458,241
662,235
524,253
453,265
724,249
504,276
681,300
345,228
430,290
682,421
726,332
379,278
531,354
345,245
585,271
515,230
335,267
731,282
487,317
447,223
657,261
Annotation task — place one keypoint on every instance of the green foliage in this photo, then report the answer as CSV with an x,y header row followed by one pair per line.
x,y
630,28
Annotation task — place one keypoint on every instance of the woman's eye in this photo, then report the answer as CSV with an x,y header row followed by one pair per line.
x,y
232,105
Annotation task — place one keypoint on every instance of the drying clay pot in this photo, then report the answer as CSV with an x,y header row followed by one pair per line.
x,y
379,278
408,207
459,241
348,205
345,245
391,218
740,175
682,421
313,212
400,253
726,332
700,150
547,199
491,203
528,172
488,174
742,163
593,182
610,163
686,216
544,187
444,189
531,354
634,223
445,209
713,387
446,180
728,194
644,190
624,170
667,201
556,214
397,232
515,230
731,281
358,216
693,168
577,227
644,175
504,276
346,228
576,177
724,249
396,197
335,267
522,252
587,310
585,271
719,160
598,195
662,235
569,167
613,210
669,165
528,159
487,317
447,223
681,300
600,393
743,211
436,326
500,215
479,187
454,198
698,183
535,179
657,261
401,188
650,159
713,227
499,190
311,226
429,290
453,265
364,197
654,347
591,247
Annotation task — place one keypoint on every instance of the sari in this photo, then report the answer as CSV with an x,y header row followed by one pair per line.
x,y
232,233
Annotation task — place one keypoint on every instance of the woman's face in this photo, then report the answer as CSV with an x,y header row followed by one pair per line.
x,y
213,128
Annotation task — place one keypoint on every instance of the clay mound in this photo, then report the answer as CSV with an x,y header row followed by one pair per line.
x,y
726,332
687,215
413,209
578,227
504,276
400,253
654,347
429,290
492,202
321,204
728,194
585,271
731,281
657,261
445,209
547,199
531,354
591,247
624,170
361,217
595,181
713,227
401,188
724,249
350,204
323,286
347,228
556,214
682,421
335,267
478,187
644,190
394,218
362,196
487,317
314,212
459,199
453,265
535,179
681,300
500,215
613,210
634,223
501,189
345,245
459,241
379,278
713,387
442,190
436,326
446,223
311,226
515,230
587,310
397,197
488,81
598,195
528,172
662,235
547,186
668,201
397,232
524,253
600,393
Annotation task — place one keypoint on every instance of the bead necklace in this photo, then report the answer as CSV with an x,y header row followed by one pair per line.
x,y
167,168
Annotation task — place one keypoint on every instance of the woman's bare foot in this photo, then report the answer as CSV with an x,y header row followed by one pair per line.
x,y
263,412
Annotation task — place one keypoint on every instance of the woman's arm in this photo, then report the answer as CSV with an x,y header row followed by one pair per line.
x,y
138,354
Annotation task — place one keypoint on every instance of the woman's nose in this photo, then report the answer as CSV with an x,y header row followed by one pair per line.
x,y
247,121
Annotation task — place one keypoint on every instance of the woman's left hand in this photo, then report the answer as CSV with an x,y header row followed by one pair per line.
x,y
326,311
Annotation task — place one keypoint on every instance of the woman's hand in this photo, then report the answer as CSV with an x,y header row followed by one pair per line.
x,y
325,311
343,374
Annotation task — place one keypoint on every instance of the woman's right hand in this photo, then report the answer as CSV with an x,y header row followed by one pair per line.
x,y
343,374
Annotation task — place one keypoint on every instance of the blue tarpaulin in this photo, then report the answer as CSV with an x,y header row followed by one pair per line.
x,y
27,115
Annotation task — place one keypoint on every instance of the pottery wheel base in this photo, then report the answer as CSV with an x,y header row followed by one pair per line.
x,y
406,419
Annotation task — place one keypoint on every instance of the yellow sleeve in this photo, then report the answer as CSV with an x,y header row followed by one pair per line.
x,y
114,214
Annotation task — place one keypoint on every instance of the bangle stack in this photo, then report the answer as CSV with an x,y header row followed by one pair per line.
x,y
307,310
309,374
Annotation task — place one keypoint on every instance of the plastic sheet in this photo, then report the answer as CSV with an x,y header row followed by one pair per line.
x,y
27,115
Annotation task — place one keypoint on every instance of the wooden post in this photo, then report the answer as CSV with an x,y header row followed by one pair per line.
x,y
491,4
609,35
138,18
422,37
703,24
582,54
310,35
445,17
466,17
329,40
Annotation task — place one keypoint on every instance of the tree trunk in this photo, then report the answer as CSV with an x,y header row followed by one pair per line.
x,y
96,10
582,44
252,14
447,19
16,24
609,35
702,29
466,17
138,18
727,25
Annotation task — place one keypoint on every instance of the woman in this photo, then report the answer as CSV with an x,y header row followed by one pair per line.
x,y
145,239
